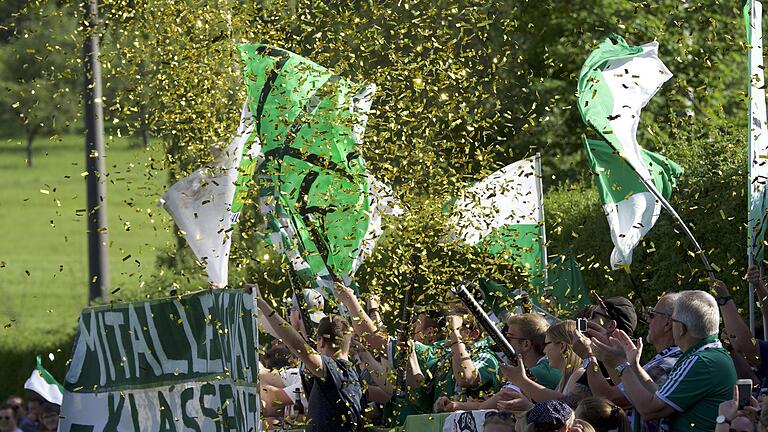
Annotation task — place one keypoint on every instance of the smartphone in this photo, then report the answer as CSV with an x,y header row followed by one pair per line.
x,y
581,325
745,392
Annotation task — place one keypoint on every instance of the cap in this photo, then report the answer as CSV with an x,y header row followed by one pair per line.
x,y
315,303
551,414
623,312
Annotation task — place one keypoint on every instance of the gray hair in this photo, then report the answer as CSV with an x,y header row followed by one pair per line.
x,y
699,312
668,300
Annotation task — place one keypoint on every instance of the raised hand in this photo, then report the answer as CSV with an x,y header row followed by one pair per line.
x,y
633,352
520,404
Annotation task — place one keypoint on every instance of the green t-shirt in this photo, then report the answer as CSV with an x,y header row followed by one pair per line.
x,y
415,400
545,375
701,379
486,363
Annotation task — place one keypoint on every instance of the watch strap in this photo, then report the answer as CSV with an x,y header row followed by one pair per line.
x,y
622,367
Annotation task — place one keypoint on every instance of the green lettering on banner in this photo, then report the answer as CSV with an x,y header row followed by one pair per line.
x,y
191,359
228,421
114,413
190,422
167,423
209,390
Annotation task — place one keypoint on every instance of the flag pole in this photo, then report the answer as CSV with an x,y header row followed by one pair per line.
x,y
543,236
664,203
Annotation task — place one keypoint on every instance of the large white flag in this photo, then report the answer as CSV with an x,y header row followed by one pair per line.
x,y
206,204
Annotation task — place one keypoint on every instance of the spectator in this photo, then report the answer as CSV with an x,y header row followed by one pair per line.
x,y
468,368
657,369
335,392
701,379
581,425
615,313
16,402
754,351
49,417
732,419
559,350
549,416
527,334
8,418
428,325
603,414
31,421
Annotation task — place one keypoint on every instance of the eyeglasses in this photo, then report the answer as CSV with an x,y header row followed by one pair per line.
x,y
651,312
547,343
6,418
509,336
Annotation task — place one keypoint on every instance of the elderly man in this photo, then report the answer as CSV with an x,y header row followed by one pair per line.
x,y
702,378
656,370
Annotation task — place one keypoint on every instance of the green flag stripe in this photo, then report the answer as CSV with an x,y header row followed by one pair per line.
x,y
617,181
283,58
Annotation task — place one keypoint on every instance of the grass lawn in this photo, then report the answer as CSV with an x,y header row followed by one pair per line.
x,y
43,252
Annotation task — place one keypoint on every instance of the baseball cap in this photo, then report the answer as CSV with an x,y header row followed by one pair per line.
x,y
623,312
315,303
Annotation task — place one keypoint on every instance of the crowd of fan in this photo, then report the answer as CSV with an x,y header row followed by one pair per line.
x,y
34,415
564,379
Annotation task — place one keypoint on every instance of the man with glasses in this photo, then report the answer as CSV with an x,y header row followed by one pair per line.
x,y
656,370
702,378
8,419
526,334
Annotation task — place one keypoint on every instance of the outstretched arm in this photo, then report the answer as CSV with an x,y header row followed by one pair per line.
x,y
292,339
738,331
362,323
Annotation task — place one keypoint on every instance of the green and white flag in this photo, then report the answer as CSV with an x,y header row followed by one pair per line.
x,y
206,204
43,383
758,133
183,363
313,186
631,210
504,214
615,83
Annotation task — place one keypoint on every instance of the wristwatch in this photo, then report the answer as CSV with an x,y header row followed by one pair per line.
x,y
723,300
721,419
620,368
586,362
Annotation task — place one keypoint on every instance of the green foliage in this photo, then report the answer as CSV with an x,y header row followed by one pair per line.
x,y
711,198
39,83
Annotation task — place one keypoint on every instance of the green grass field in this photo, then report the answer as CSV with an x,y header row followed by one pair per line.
x,y
43,252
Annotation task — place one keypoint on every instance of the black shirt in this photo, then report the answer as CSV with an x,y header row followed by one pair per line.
x,y
336,400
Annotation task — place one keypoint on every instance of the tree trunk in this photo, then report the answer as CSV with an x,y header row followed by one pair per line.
x,y
30,137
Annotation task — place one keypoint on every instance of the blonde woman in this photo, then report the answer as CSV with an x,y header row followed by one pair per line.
x,y
559,349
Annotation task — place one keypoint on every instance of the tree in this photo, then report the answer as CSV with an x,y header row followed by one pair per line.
x,y
40,86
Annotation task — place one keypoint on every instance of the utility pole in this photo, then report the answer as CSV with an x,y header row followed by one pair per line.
x,y
96,180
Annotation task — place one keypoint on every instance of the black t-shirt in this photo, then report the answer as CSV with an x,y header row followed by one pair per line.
x,y
336,400
583,379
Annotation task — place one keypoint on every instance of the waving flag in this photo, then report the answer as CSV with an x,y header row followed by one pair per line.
x,y
615,83
313,185
43,383
630,208
504,214
206,204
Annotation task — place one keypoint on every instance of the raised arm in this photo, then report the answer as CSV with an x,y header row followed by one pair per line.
x,y
290,337
364,326
464,371
738,331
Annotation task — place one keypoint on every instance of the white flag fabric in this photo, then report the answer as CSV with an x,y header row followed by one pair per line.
x,y
502,214
43,383
201,204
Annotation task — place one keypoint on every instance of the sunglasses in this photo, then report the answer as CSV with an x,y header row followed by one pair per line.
x,y
651,312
